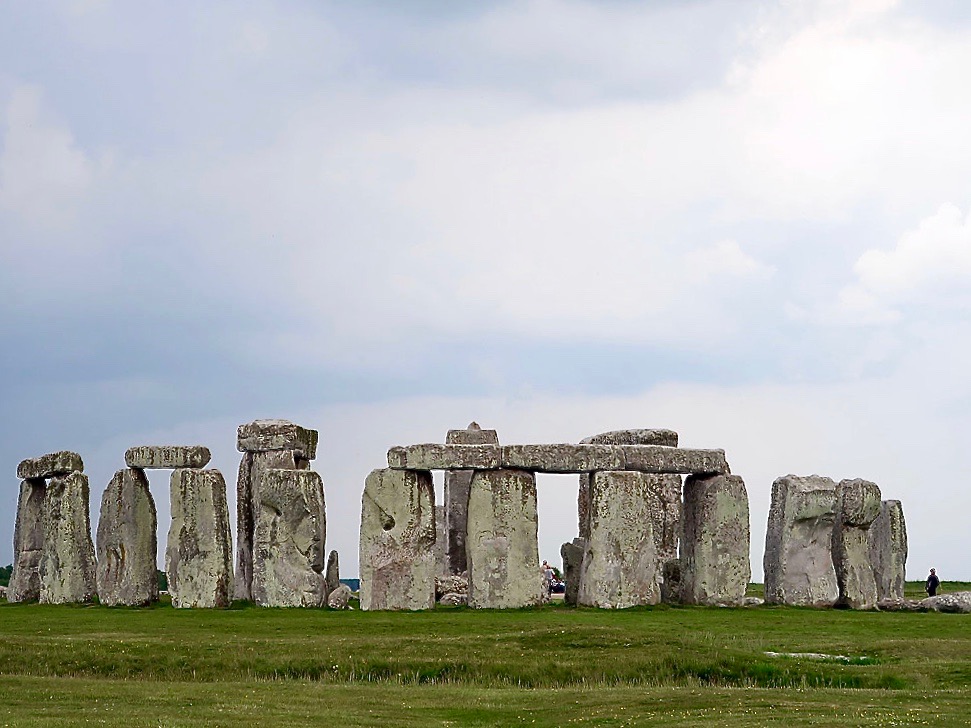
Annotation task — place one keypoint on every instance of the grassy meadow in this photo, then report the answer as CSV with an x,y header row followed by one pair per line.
x,y
550,666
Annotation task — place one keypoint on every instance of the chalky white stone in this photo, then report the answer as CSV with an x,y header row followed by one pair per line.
x,y
127,542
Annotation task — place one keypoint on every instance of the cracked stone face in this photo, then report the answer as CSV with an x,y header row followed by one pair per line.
x,y
28,542
127,547
858,505
67,569
888,550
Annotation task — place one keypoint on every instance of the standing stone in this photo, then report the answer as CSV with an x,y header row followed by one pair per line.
x,y
28,542
621,567
332,576
572,555
502,547
265,444
288,543
457,483
127,547
798,559
441,542
199,558
888,550
857,507
397,559
67,569
715,546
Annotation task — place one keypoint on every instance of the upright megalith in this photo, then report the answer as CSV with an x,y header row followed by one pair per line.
x,y
798,559
199,556
28,542
502,547
288,542
127,542
620,565
67,568
572,555
888,550
397,559
265,444
457,483
332,575
715,544
857,507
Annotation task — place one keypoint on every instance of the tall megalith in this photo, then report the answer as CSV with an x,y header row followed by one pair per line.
x,y
28,542
888,550
857,507
457,483
127,541
67,567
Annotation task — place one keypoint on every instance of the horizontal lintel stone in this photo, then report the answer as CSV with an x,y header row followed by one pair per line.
x,y
269,435
559,458
51,465
167,456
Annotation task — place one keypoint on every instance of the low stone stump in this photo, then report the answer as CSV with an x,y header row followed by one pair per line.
x,y
798,560
167,457
888,550
620,566
67,569
28,542
332,574
198,557
714,560
288,542
502,547
52,465
397,559
127,542
340,598
857,507
572,556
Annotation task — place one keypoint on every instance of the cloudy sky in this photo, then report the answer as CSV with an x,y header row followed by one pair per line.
x,y
747,221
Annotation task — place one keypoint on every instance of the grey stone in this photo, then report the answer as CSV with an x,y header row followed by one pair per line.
x,y
269,435
68,572
956,602
798,558
441,542
340,598
3,593
659,459
888,550
52,465
397,559
457,484
451,584
332,575
857,507
28,542
251,469
714,559
572,555
671,585
753,602
453,599
667,438
562,458
434,456
167,456
899,605
502,547
127,542
198,557
288,542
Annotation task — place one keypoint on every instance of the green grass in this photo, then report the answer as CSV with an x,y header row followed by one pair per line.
x,y
454,666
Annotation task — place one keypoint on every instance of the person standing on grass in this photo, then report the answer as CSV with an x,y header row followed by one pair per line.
x,y
932,583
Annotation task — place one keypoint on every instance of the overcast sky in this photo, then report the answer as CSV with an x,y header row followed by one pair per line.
x,y
746,221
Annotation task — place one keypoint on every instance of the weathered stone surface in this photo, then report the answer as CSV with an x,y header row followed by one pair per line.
x,y
52,465
753,602
251,469
621,567
167,456
857,507
715,566
667,438
899,605
572,555
457,496
332,575
435,456
451,584
441,542
268,435
658,459
67,569
127,542
28,542
3,593
671,586
798,559
957,602
397,559
288,542
502,547
562,458
198,557
888,550
340,598
452,599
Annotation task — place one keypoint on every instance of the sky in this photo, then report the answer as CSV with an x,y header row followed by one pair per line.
x,y
747,221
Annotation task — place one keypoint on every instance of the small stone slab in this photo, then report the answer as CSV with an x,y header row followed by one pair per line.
x,y
667,438
267,435
434,456
167,457
52,465
472,435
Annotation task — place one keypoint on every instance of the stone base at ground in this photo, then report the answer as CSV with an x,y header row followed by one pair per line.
x,y
340,597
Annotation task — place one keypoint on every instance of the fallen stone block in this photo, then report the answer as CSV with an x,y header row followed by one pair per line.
x,y
268,435
340,598
453,599
52,465
888,550
857,507
198,557
127,542
397,560
899,605
28,542
956,602
167,457
67,569
666,438
451,584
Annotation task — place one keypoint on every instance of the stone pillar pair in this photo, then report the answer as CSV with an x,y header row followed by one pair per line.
x,y
54,560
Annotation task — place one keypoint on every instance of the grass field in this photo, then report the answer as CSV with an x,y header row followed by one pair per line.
x,y
552,666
